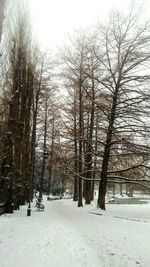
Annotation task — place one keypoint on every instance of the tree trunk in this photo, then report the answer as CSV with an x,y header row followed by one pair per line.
x,y
88,195
7,174
44,153
51,158
26,145
33,138
95,158
76,182
105,161
80,204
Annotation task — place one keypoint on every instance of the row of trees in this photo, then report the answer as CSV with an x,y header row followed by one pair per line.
x,y
82,120
27,103
107,116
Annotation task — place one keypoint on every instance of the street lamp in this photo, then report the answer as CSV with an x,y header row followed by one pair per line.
x,y
29,209
30,192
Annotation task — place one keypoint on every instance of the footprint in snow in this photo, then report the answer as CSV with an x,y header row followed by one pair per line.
x,y
112,254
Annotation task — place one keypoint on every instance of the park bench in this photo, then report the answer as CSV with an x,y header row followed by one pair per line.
x,y
39,206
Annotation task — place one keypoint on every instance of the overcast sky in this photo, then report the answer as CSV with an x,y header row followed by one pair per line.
x,y
53,19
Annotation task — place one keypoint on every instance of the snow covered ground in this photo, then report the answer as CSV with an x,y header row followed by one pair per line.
x,y
66,236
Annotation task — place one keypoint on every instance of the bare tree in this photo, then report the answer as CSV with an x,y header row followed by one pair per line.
x,y
75,62
124,59
17,135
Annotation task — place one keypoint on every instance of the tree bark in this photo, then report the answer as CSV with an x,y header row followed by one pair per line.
x,y
88,195
76,182
33,138
80,204
44,152
51,157
105,161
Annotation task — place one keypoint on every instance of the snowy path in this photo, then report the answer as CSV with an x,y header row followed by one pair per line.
x,y
66,236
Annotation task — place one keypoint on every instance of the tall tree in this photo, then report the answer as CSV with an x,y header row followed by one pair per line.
x,y
124,60
20,69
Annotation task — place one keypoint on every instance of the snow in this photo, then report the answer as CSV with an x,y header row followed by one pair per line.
x,y
66,236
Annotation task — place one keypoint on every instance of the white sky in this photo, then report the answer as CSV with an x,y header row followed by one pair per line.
x,y
53,19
